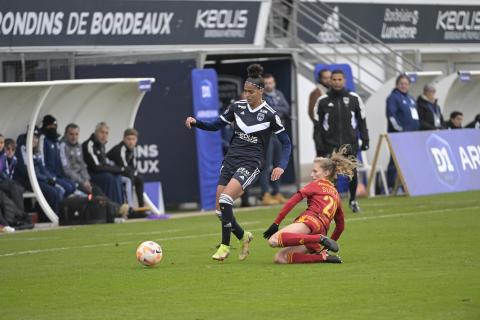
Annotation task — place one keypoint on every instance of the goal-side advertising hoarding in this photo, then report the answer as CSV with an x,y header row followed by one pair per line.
x,y
30,23
438,161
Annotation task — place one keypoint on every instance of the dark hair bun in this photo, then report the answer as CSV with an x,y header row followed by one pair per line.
x,y
254,70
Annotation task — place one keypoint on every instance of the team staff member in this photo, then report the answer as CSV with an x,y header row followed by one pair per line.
x,y
402,115
102,173
254,122
341,114
303,239
322,88
123,155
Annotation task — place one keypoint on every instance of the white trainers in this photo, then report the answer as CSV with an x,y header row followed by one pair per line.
x,y
245,242
8,229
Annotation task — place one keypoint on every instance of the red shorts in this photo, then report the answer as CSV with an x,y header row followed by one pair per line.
x,y
316,227
312,222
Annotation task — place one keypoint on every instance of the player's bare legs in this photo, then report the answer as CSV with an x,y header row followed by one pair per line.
x,y
298,234
293,237
291,228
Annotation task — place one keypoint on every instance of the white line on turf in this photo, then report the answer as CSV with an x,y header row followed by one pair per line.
x,y
393,215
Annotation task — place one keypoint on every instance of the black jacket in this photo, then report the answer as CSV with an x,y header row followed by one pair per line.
x,y
96,158
123,157
426,113
341,114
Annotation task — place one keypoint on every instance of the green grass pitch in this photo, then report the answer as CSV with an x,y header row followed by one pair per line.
x,y
404,258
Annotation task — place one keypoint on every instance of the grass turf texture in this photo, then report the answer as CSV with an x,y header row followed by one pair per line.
x,y
404,258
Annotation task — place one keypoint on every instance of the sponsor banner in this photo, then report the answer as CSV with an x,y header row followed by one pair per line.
x,y
123,22
438,161
209,144
391,23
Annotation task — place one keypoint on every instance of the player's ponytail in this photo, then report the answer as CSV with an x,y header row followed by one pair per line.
x,y
255,75
339,163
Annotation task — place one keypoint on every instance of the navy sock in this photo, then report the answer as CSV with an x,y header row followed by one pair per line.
x,y
353,186
226,206
236,229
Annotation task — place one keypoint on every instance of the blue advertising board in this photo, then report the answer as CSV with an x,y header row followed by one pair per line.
x,y
209,144
438,161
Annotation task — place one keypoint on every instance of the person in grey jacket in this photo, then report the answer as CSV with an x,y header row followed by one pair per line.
x,y
71,156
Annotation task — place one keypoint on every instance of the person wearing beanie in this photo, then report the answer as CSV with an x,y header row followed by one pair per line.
x,y
49,149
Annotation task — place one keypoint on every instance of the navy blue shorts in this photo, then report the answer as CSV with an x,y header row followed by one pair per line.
x,y
245,173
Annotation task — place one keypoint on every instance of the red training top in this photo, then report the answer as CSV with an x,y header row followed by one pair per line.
x,y
323,202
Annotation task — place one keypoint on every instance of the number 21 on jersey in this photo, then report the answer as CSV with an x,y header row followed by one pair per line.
x,y
330,206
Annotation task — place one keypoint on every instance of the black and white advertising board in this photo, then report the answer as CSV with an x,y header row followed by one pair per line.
x,y
32,23
392,23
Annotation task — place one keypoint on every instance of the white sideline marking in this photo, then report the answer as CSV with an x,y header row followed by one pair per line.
x,y
151,232
28,239
217,233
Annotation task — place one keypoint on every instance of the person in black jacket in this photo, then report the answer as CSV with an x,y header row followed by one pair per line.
x,y
104,174
429,111
123,155
475,124
455,121
341,114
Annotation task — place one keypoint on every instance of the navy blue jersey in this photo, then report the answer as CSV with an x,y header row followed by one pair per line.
x,y
252,131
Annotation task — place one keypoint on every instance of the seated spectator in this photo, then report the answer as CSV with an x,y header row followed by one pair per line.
x,y
455,121
73,164
123,155
475,123
52,192
429,112
49,150
104,174
8,163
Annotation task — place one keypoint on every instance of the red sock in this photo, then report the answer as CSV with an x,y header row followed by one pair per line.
x,y
305,257
286,239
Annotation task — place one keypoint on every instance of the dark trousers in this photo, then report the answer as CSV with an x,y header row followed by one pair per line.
x,y
52,194
14,191
317,138
391,174
138,183
110,184
272,159
67,185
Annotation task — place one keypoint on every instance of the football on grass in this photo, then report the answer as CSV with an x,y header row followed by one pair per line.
x,y
149,253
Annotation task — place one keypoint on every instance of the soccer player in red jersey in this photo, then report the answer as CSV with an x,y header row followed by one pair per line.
x,y
305,240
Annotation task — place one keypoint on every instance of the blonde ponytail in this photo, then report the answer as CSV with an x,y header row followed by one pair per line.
x,y
339,163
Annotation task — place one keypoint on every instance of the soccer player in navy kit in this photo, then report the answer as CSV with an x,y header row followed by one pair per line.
x,y
254,121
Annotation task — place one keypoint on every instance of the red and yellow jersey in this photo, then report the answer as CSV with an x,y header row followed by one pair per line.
x,y
324,204
322,198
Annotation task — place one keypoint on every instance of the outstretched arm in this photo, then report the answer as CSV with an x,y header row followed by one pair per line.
x,y
339,223
205,125
291,203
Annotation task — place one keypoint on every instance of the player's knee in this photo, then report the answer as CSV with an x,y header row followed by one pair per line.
x,y
279,258
273,242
